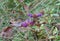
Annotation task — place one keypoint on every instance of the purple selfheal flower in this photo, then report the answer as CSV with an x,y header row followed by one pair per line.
x,y
24,24
29,22
39,14
32,23
30,15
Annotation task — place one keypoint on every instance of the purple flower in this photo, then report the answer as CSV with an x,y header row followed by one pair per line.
x,y
29,22
39,14
30,15
35,15
32,23
24,24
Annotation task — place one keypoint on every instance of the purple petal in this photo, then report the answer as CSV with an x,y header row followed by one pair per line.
x,y
30,15
24,24
39,14
28,20
32,23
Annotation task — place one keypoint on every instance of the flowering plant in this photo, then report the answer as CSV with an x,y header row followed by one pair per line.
x,y
29,20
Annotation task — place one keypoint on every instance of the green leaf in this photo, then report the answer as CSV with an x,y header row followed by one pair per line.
x,y
52,37
58,4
